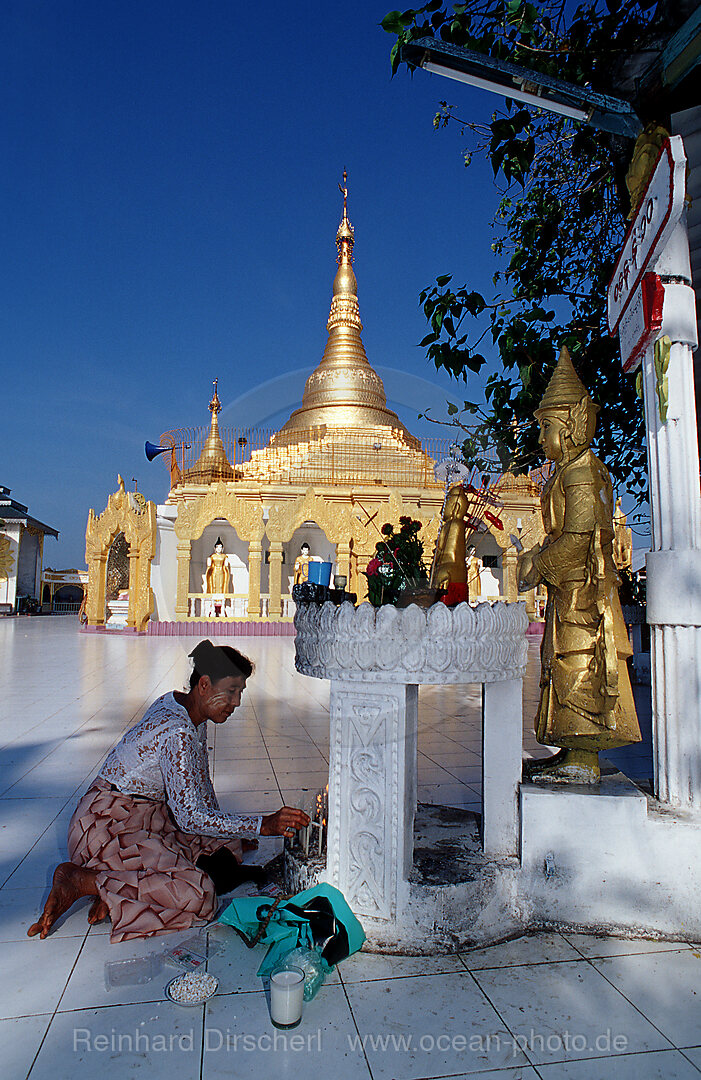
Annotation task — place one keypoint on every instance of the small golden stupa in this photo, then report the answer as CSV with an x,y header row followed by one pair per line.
x,y
212,464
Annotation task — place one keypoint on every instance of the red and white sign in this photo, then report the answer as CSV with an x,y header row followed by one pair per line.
x,y
658,215
641,321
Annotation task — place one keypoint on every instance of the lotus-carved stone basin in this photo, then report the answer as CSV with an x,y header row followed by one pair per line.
x,y
416,645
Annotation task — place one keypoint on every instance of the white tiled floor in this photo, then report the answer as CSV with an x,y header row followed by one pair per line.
x,y
545,1006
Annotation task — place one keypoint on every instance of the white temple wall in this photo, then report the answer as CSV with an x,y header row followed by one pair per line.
x,y
491,577
164,566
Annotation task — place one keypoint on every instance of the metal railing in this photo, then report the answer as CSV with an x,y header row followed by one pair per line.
x,y
322,456
316,456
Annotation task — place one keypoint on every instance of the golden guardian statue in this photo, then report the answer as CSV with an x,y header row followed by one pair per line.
x,y
586,703
449,562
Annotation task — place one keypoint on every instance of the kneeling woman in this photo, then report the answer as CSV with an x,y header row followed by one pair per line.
x,y
149,840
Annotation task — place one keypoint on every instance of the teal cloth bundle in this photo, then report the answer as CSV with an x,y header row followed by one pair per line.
x,y
318,918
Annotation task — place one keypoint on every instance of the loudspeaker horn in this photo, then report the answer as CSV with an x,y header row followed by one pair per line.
x,y
153,451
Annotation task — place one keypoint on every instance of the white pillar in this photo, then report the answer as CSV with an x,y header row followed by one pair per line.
x,y
674,564
372,793
502,752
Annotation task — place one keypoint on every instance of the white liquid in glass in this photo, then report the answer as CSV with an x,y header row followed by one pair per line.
x,y
286,997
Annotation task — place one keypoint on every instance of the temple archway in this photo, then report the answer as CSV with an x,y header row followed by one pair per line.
x,y
128,514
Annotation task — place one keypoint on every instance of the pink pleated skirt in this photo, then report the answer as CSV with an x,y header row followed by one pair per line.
x,y
146,865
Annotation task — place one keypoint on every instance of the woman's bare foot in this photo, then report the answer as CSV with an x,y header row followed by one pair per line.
x,y
98,912
69,884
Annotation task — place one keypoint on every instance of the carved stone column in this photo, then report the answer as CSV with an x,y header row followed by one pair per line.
x,y
275,579
674,564
97,572
184,549
254,568
343,560
133,587
372,793
508,570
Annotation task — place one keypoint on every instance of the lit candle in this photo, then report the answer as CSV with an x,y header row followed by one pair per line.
x,y
286,997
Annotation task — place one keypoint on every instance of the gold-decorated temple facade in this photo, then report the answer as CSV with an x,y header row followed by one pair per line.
x,y
340,467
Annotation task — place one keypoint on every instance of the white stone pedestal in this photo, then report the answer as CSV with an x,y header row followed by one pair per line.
x,y
118,609
376,659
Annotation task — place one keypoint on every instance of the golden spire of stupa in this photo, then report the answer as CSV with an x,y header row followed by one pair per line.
x,y
212,464
344,392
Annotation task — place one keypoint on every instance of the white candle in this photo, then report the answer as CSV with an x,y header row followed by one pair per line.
x,y
286,997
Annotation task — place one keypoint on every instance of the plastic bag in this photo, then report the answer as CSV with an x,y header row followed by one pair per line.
x,y
315,918
311,963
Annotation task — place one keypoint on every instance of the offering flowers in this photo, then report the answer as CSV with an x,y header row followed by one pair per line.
x,y
397,563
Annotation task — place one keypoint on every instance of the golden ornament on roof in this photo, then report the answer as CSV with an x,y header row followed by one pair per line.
x,y
212,464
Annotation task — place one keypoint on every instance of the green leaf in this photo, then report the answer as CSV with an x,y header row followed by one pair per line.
x,y
392,22
443,280
452,409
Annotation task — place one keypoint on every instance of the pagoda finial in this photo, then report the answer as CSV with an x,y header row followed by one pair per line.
x,y
344,193
215,403
344,236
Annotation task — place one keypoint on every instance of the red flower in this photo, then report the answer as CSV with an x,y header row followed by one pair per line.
x,y
373,566
387,529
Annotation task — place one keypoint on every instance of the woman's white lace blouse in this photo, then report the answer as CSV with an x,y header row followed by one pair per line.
x,y
164,757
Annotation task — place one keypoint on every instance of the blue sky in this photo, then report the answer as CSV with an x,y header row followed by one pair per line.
x,y
169,207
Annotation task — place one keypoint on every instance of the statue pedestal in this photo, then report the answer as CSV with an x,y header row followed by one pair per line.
x,y
375,660
118,609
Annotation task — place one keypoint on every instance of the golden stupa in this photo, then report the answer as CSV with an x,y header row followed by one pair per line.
x,y
212,464
344,392
340,467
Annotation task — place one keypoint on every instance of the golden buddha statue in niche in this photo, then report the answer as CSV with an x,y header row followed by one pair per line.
x,y
586,703
301,568
218,573
474,565
449,563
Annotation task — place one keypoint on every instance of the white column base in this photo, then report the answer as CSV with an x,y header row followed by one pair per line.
x,y
502,753
676,711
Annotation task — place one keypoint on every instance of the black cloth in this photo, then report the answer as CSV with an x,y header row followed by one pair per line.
x,y
226,872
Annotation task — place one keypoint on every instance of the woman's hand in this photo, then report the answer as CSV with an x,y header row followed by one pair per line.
x,y
284,822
